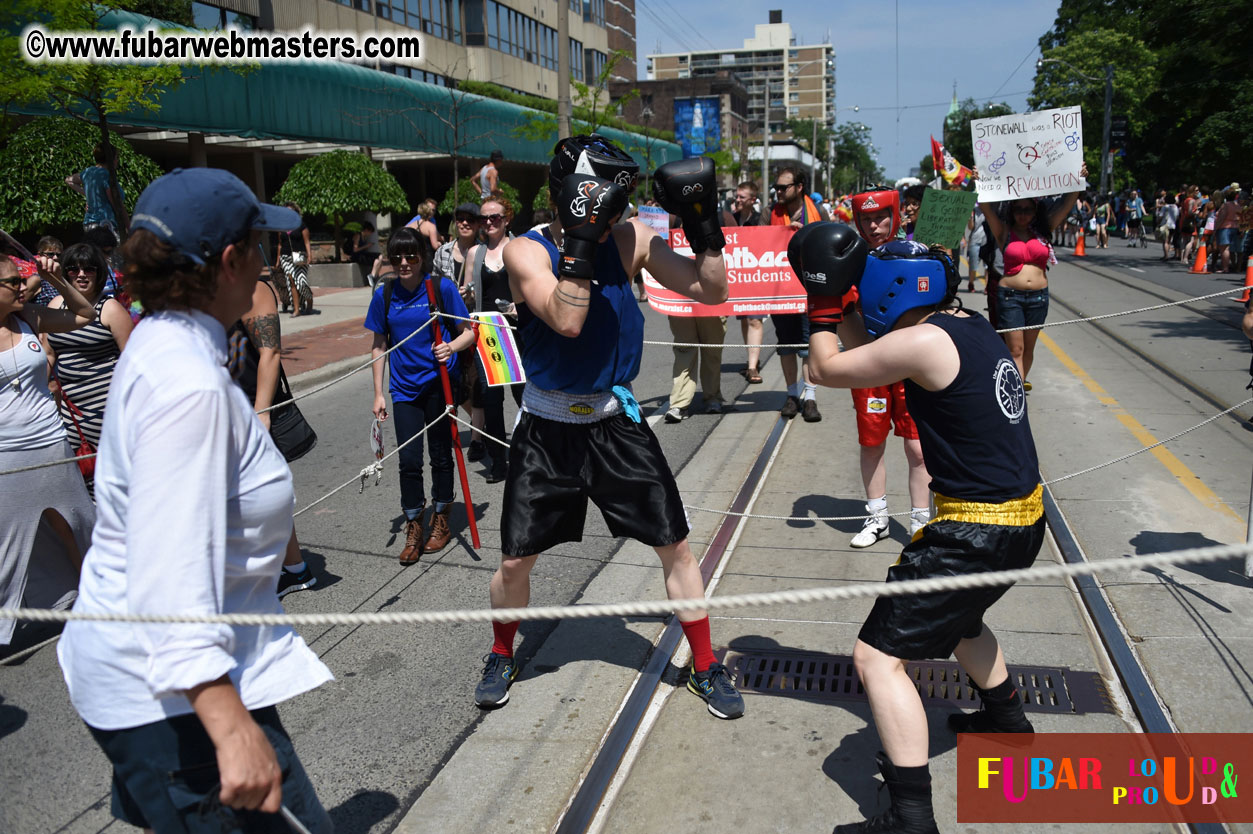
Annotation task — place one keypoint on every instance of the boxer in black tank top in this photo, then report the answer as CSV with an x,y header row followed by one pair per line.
x,y
967,399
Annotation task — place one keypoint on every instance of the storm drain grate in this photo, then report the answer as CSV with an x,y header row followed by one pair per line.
x,y
833,678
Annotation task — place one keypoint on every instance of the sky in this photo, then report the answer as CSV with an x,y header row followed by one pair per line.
x,y
989,48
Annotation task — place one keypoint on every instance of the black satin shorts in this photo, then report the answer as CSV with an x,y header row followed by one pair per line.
x,y
554,468
931,625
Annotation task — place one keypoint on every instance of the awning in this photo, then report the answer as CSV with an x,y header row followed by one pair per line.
x,y
347,104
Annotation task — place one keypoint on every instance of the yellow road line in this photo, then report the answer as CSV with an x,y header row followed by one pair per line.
x,y
1185,476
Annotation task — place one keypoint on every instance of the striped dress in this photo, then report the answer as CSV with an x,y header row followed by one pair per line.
x,y
85,362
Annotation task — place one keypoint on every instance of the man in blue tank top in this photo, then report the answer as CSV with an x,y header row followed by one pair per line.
x,y
967,400
580,435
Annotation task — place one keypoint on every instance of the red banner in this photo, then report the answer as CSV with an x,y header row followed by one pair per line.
x,y
1103,778
759,279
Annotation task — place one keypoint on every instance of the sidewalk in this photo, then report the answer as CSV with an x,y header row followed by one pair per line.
x,y
328,341
795,762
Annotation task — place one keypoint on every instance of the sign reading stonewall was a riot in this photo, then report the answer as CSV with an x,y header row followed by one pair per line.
x,y
1029,154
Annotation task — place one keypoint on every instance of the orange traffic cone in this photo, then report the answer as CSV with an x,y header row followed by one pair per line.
x,y
1202,257
1248,281
1080,250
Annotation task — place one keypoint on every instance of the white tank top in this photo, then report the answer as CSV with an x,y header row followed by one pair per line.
x,y
28,414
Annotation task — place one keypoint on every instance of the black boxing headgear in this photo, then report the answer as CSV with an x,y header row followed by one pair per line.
x,y
594,155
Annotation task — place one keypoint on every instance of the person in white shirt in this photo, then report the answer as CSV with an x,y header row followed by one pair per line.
x,y
194,514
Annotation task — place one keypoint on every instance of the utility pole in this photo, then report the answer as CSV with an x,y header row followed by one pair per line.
x,y
563,68
813,162
1106,164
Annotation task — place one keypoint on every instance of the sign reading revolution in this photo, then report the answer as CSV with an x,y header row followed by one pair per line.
x,y
1029,154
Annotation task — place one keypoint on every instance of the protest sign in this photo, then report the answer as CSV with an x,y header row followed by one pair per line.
x,y
1029,154
759,279
943,216
656,219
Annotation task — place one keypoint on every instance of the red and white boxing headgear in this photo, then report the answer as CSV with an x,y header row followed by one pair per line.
x,y
882,199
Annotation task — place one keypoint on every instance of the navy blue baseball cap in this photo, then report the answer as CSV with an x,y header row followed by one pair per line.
x,y
201,211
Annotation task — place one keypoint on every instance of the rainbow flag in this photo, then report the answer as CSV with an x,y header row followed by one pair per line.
x,y
947,166
498,352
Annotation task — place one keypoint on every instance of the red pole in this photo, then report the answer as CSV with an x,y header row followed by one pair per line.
x,y
438,339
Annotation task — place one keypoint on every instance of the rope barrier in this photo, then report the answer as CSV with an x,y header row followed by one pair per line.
x,y
661,607
373,360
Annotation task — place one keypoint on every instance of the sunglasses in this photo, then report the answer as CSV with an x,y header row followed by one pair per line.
x,y
411,257
80,270
493,218
782,186
56,256
13,283
464,219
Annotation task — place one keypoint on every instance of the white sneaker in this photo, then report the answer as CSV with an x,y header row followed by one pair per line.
x,y
918,520
674,415
875,528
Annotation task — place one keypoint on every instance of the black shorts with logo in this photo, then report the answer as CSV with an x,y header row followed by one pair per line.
x,y
554,468
923,626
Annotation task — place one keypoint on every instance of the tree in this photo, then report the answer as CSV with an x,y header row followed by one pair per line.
x,y
589,111
1135,76
341,182
854,164
956,136
467,191
35,162
802,131
89,92
1196,95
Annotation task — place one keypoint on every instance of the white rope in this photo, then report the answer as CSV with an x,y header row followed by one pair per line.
x,y
660,607
479,431
1058,480
1123,313
362,475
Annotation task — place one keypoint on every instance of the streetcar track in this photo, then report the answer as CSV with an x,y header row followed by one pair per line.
x,y
1206,395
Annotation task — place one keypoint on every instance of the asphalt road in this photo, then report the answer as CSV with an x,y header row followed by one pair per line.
x,y
403,696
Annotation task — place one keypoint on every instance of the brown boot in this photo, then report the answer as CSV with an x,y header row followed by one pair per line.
x,y
413,541
440,534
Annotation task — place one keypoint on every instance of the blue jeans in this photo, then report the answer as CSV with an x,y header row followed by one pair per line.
x,y
410,417
165,777
1021,308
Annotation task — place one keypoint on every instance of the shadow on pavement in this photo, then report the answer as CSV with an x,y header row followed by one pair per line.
x,y
358,813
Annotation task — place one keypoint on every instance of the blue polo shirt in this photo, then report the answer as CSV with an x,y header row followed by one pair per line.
x,y
413,365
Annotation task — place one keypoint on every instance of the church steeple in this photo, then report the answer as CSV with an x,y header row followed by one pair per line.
x,y
953,120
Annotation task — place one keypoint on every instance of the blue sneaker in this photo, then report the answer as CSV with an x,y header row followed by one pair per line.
x,y
498,675
715,688
289,582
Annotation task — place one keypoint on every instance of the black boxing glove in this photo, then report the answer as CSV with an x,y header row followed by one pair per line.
x,y
587,206
829,258
689,188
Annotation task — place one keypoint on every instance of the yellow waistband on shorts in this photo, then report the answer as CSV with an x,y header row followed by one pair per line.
x,y
1017,512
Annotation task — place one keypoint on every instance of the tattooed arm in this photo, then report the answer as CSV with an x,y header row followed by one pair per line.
x,y
261,322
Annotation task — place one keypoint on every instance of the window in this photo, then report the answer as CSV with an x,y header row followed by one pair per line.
x,y
515,34
595,64
793,96
793,111
207,16
474,22
594,12
416,74
577,69
359,5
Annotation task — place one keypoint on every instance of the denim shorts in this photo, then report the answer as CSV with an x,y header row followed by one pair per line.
x,y
165,777
1226,237
1021,308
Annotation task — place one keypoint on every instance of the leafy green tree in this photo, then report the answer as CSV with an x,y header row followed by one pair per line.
x,y
467,191
89,92
589,108
40,155
1195,98
1059,84
853,164
956,136
339,183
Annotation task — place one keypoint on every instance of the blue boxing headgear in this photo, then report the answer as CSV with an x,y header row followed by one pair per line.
x,y
895,282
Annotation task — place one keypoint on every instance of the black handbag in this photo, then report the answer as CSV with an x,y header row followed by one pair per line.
x,y
291,433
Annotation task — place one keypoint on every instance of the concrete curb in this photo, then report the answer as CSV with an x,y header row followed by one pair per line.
x,y
311,379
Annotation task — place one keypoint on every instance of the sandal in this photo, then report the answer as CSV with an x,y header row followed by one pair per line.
x,y
752,376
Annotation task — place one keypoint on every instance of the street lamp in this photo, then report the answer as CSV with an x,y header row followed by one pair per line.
x,y
1109,103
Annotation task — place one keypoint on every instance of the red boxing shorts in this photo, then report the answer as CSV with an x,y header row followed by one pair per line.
x,y
879,409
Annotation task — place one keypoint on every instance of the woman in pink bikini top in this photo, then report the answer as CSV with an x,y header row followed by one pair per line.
x,y
1022,229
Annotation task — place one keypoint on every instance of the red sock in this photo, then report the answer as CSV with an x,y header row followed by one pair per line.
x,y
697,634
504,633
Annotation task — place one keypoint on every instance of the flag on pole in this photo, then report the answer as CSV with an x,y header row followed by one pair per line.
x,y
498,351
946,166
